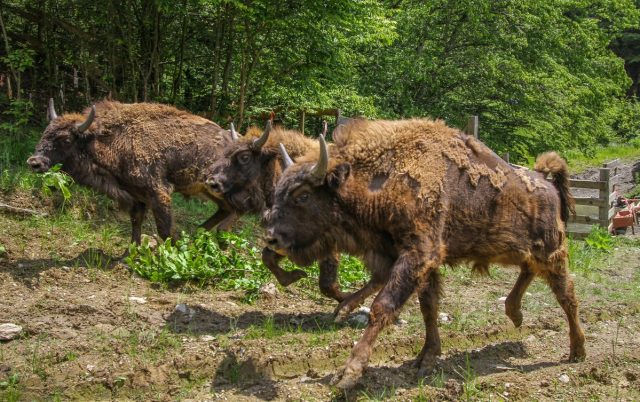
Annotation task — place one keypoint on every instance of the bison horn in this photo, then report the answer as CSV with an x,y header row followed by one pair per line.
x,y
51,110
85,125
257,144
320,169
286,159
234,135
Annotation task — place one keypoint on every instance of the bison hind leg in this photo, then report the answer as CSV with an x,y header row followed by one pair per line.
x,y
556,275
513,304
429,298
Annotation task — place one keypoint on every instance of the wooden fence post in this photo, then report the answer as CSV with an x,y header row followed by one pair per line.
x,y
603,210
302,115
472,126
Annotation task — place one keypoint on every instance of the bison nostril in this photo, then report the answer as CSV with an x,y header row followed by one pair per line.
x,y
214,185
34,163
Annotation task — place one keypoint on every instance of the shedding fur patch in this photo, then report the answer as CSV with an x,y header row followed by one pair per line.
x,y
413,154
530,182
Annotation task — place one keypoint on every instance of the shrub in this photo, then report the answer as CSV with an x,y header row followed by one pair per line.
x,y
221,259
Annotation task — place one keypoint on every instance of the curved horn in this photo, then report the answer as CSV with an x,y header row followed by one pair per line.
x,y
85,125
234,135
324,128
51,110
257,144
286,159
320,169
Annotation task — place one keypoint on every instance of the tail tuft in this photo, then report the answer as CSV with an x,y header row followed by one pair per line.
x,y
552,163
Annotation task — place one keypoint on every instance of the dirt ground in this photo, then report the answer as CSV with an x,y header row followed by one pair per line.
x,y
94,331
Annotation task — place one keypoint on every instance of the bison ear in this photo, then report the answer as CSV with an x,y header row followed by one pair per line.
x,y
338,176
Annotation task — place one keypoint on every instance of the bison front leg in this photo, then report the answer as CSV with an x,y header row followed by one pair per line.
x,y
285,278
161,207
223,218
137,213
409,270
328,279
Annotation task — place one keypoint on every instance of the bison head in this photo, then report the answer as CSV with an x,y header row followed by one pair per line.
x,y
60,139
237,175
305,216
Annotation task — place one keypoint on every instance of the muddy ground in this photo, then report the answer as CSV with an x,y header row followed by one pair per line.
x,y
94,331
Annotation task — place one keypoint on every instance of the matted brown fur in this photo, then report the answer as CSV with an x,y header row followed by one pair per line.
x,y
137,154
411,195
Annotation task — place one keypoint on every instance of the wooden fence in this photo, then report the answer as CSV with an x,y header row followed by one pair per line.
x,y
580,224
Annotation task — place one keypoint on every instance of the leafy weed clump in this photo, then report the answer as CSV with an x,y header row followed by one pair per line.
x,y
222,259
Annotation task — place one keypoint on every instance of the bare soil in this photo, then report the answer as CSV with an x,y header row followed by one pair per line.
x,y
88,335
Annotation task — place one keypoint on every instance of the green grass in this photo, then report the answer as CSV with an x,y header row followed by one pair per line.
x,y
579,162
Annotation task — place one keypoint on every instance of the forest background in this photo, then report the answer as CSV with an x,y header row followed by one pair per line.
x,y
544,74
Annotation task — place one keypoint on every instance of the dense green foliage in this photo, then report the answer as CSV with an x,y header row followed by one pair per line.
x,y
222,259
540,74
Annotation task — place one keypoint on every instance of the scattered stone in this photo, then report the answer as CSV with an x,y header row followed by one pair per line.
x,y
139,300
185,310
564,379
9,331
359,320
90,367
531,338
363,310
269,291
401,322
207,338
502,299
66,268
527,294
304,378
444,318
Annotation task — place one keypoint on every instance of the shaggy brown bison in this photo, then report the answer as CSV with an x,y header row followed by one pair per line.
x,y
245,176
136,154
409,196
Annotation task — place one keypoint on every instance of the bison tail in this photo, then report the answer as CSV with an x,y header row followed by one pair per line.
x,y
552,163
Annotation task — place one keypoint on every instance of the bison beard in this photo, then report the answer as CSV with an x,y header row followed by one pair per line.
x,y
410,196
136,154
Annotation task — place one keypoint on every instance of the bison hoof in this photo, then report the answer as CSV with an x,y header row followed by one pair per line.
x,y
516,318
291,277
425,364
341,313
345,379
577,355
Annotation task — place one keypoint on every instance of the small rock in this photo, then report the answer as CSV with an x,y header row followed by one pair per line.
x,y
502,299
139,300
150,240
564,379
531,338
66,268
363,310
304,378
401,322
185,310
527,294
359,320
507,385
269,291
90,367
207,338
444,318
9,331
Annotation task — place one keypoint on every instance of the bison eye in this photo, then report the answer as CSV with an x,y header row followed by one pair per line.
x,y
302,198
244,158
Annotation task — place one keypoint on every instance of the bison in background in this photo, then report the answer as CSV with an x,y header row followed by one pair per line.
x,y
409,196
246,175
136,154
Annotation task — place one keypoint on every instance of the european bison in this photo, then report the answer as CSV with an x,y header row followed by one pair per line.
x,y
136,154
245,176
409,196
